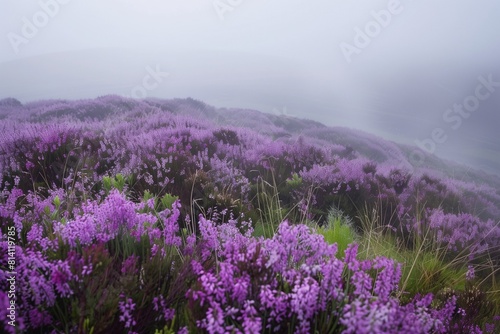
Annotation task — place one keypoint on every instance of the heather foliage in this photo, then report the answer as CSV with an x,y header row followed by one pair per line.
x,y
295,283
142,216
102,259
124,266
162,150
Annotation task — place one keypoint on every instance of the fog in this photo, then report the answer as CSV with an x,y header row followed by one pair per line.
x,y
393,68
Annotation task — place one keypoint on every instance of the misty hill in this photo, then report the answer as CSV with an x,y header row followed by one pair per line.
x,y
281,127
359,142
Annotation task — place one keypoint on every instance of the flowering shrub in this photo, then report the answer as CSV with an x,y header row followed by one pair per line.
x,y
104,244
294,282
106,247
465,232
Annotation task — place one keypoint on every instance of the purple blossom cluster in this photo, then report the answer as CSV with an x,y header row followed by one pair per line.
x,y
127,307
45,279
101,222
465,232
295,282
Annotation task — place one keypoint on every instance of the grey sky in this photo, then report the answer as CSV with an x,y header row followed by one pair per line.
x,y
271,55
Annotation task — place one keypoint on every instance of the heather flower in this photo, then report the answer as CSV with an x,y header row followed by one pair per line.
x,y
387,278
129,266
126,308
470,274
35,238
464,232
376,316
209,235
39,318
304,303
60,277
250,321
362,283
350,257
34,285
157,248
86,270
361,317
160,306
332,284
314,280
190,244
214,321
8,209
104,221
275,303
170,225
489,328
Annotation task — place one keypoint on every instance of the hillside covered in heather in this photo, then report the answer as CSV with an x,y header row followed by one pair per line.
x,y
179,198
153,140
